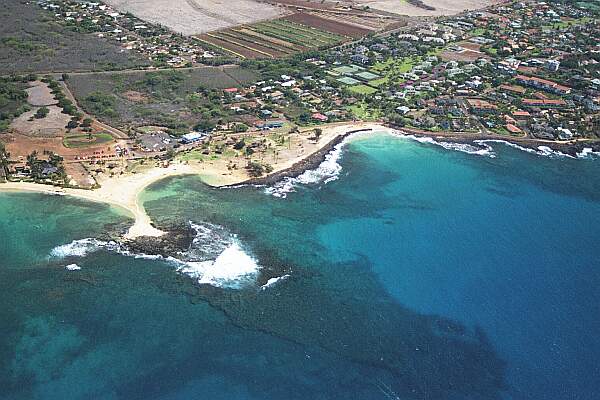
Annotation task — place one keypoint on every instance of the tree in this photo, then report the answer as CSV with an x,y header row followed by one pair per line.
x,y
87,122
318,133
4,158
237,128
72,124
42,112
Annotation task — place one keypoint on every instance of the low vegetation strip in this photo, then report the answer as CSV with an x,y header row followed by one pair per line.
x,y
282,43
276,50
241,43
238,51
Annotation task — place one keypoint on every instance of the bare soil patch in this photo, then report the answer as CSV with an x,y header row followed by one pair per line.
x,y
53,125
135,96
328,25
442,7
39,94
191,17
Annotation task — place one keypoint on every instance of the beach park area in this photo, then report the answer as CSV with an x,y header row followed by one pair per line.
x,y
122,190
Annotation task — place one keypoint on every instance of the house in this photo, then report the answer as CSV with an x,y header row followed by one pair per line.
x,y
543,84
552,65
513,128
320,117
544,103
360,58
402,110
513,89
565,134
269,125
49,169
478,106
191,137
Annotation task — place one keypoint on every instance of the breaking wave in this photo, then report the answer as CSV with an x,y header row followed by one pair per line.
x,y
328,171
216,257
482,150
273,281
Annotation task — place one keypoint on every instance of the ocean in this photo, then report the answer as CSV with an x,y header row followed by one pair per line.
x,y
396,270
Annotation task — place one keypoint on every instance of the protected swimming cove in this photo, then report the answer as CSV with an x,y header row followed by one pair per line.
x,y
416,272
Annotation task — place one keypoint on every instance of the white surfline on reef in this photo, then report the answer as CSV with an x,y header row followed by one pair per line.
x,y
215,258
273,281
78,248
483,147
482,150
328,171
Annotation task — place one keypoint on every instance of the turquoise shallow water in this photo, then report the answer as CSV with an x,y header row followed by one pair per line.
x,y
421,273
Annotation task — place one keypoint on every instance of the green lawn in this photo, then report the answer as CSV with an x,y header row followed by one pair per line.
x,y
362,89
378,82
364,111
194,155
478,31
82,140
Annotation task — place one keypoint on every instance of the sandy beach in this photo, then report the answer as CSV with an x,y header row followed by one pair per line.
x,y
123,190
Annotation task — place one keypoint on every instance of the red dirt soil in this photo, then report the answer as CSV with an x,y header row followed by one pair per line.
x,y
327,25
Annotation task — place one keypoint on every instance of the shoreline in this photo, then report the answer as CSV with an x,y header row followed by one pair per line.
x,y
570,148
309,162
123,191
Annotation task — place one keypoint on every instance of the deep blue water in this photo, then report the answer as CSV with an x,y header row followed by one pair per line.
x,y
421,273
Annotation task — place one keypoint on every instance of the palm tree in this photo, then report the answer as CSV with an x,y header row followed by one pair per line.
x,y
4,158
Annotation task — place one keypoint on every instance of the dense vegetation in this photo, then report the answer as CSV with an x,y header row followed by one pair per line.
x,y
13,99
32,40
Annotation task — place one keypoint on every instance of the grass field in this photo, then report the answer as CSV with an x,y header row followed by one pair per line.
x,y
362,89
364,112
83,140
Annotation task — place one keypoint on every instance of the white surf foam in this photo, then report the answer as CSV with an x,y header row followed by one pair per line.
x,y
72,267
216,257
482,150
271,282
77,248
587,153
541,150
233,268
328,171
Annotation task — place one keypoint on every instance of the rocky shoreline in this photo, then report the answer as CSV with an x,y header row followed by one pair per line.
x,y
310,162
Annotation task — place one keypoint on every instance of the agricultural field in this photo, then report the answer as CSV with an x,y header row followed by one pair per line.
x,y
191,17
173,99
36,42
329,25
272,39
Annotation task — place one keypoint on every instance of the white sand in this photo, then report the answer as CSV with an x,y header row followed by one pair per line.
x,y
119,191
123,191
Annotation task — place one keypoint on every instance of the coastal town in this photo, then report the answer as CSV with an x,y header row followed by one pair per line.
x,y
243,102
